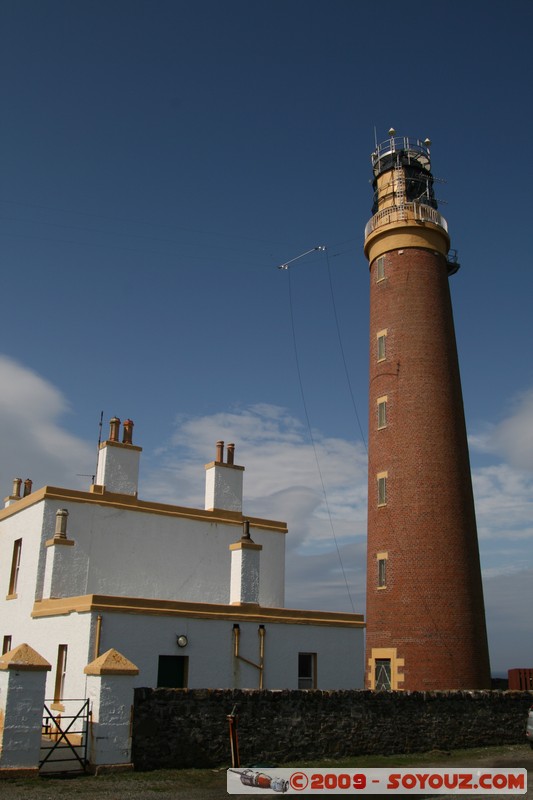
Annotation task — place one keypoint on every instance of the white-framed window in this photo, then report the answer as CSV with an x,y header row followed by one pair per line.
x,y
382,675
306,670
382,411
382,488
15,568
61,671
381,345
380,268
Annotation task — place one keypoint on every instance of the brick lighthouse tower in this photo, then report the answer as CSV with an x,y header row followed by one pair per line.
x,y
425,612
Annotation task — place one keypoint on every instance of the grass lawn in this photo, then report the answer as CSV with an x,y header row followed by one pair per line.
x,y
210,784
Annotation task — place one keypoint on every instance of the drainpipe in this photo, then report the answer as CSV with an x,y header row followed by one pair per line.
x,y
236,641
261,654
98,635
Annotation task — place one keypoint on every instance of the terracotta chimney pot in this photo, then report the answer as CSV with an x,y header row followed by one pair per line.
x,y
127,436
114,429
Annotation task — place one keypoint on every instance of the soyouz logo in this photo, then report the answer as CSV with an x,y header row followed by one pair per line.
x,y
416,780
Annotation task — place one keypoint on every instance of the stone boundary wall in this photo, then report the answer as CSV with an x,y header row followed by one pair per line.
x,y
181,728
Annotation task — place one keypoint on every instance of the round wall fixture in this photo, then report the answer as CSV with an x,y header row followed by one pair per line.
x,y
182,640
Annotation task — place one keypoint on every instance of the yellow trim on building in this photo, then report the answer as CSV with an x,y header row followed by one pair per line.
x,y
223,464
24,657
111,663
121,445
59,540
132,503
245,546
176,608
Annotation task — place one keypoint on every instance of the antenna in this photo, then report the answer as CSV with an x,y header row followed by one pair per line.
x,y
100,429
85,475
312,250
375,138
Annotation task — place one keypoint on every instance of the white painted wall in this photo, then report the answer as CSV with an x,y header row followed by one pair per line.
x,y
26,525
45,635
120,551
111,699
21,708
140,554
142,638
210,650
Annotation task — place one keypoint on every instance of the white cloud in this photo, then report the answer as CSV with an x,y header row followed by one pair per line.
x,y
512,437
504,503
34,441
287,476
504,508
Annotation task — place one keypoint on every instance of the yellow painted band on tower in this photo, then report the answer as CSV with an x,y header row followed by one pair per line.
x,y
404,234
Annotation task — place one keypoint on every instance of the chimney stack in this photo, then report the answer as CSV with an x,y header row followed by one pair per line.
x,y
223,482
245,571
118,462
27,487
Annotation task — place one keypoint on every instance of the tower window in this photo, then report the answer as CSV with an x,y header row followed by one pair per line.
x,y
381,339
380,268
382,412
382,489
15,567
6,645
382,572
306,670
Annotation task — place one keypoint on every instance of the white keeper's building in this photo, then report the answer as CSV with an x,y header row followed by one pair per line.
x,y
194,598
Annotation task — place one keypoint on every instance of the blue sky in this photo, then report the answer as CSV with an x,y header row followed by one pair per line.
x,y
161,159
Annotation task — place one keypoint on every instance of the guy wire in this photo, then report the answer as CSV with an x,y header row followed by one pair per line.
x,y
313,442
